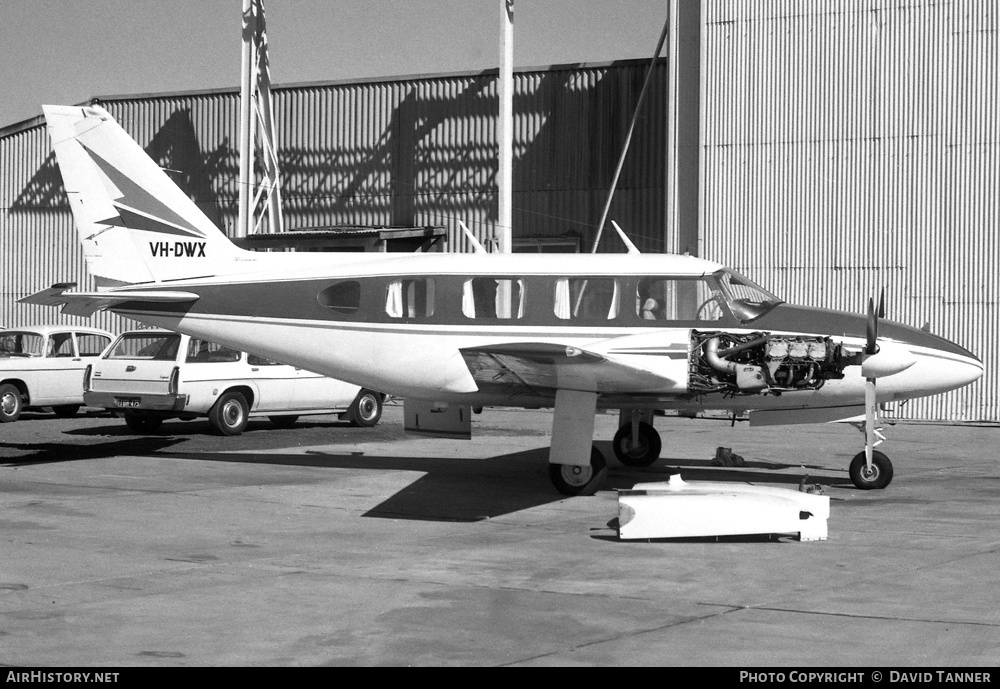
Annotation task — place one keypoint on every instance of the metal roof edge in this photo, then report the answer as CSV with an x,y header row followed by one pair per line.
x,y
37,120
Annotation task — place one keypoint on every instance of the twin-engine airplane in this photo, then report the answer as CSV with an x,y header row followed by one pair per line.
x,y
577,332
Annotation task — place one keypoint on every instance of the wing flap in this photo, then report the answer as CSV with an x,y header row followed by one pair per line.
x,y
541,367
87,303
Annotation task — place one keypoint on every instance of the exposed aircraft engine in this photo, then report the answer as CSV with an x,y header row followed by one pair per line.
x,y
761,363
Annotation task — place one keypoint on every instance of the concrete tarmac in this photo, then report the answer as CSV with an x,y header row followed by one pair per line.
x,y
363,547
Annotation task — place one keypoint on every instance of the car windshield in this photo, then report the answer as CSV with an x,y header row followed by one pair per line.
x,y
746,299
21,343
157,346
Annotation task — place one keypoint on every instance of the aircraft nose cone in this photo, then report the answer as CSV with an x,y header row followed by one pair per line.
x,y
969,371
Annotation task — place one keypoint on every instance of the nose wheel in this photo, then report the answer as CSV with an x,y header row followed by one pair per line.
x,y
878,475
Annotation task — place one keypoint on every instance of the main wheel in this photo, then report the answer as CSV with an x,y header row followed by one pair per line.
x,y
229,414
641,455
141,423
366,409
11,403
570,479
880,475
64,411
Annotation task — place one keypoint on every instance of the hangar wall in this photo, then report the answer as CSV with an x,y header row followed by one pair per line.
x,y
410,151
852,146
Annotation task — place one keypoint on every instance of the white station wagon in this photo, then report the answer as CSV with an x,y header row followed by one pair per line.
x,y
43,366
150,375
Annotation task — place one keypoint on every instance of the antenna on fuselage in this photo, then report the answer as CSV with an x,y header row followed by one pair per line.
x,y
628,242
476,246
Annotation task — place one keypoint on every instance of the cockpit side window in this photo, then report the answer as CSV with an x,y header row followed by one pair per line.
x,y
677,299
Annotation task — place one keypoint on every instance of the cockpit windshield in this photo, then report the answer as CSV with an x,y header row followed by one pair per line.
x,y
746,299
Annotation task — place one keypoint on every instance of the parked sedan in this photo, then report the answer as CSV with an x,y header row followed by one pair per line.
x,y
43,366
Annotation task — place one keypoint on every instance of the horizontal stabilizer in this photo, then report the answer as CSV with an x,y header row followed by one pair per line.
x,y
86,303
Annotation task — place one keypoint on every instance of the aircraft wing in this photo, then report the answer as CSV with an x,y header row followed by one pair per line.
x,y
86,303
541,368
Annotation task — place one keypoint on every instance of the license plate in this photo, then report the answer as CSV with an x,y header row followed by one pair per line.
x,y
127,401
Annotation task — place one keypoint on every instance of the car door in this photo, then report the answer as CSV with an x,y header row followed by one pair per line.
x,y
60,376
275,384
313,391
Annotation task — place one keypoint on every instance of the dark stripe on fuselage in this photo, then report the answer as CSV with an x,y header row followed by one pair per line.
x,y
802,319
297,300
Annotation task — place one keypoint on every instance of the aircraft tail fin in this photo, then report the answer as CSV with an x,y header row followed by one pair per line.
x,y
136,225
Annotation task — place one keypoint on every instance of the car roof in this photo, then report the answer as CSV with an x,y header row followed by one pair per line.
x,y
150,331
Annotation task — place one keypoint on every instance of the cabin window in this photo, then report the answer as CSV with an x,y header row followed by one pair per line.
x,y
202,351
587,298
677,300
410,298
493,298
342,297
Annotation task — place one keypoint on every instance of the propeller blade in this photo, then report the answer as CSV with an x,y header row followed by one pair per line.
x,y
881,303
872,329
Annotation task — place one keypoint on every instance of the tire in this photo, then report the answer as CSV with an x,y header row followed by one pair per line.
x,y
576,480
11,403
283,421
229,414
881,473
366,409
141,423
643,455
65,411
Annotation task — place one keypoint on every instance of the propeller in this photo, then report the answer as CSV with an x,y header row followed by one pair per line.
x,y
873,316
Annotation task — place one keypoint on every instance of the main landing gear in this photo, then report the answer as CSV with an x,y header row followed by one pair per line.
x,y
573,480
637,444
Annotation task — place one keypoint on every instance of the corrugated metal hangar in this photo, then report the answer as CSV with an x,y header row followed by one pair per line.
x,y
840,148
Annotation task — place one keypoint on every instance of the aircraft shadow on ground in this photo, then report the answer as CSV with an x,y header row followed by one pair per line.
x,y
48,453
450,489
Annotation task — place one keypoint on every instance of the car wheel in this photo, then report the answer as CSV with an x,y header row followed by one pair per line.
x,y
11,403
230,414
366,410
